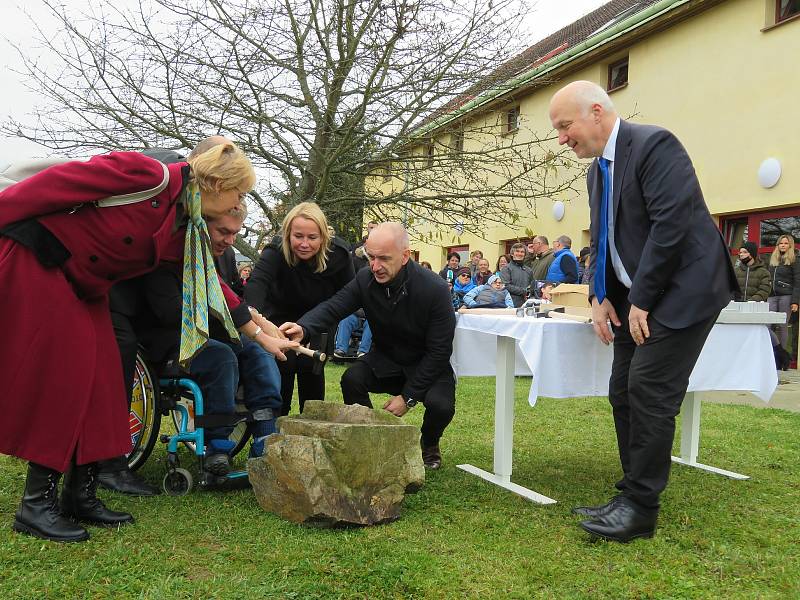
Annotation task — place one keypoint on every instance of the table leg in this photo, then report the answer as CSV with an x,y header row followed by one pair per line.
x,y
504,407
504,426
690,438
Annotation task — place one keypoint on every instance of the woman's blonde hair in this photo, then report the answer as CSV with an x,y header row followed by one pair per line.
x,y
788,257
223,167
312,212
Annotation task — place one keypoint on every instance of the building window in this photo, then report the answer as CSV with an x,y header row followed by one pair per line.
x,y
786,9
462,251
734,230
772,229
763,228
508,243
512,119
429,155
618,74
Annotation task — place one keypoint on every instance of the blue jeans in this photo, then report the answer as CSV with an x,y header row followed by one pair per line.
x,y
218,370
346,328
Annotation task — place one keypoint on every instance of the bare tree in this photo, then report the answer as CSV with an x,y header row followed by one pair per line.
x,y
327,96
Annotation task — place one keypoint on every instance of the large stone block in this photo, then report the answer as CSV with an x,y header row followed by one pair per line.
x,y
338,465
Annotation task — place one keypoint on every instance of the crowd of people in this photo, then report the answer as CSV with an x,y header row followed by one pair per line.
x,y
157,270
529,271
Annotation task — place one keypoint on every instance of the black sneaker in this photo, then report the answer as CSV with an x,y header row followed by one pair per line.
x,y
218,464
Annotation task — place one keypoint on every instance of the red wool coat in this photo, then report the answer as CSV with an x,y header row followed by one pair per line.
x,y
61,387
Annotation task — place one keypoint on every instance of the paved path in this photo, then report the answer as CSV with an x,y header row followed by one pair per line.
x,y
786,396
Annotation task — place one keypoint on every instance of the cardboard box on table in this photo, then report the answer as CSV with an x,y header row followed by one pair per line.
x,y
571,294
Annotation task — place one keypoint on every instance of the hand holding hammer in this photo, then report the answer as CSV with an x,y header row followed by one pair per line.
x,y
295,333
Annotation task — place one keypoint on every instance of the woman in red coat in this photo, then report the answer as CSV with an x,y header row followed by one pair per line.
x,y
63,404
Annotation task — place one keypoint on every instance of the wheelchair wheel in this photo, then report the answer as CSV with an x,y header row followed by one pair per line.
x,y
239,435
144,417
177,482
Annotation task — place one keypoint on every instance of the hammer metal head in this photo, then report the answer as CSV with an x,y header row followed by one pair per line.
x,y
319,365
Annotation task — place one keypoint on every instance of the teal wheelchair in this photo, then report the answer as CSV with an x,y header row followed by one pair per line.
x,y
171,393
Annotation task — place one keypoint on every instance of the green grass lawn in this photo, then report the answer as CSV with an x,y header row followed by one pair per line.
x,y
459,537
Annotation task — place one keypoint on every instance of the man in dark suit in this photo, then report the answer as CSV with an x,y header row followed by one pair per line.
x,y
412,320
661,273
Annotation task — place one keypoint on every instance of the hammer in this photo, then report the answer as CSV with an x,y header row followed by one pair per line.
x,y
315,354
318,356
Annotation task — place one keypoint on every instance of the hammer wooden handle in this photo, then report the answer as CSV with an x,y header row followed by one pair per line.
x,y
315,354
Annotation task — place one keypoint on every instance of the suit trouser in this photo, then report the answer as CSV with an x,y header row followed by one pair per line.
x,y
127,342
439,400
646,389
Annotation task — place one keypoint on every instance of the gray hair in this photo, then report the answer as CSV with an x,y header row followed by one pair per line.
x,y
207,144
565,241
588,93
542,239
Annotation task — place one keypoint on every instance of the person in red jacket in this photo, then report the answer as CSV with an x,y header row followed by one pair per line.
x,y
64,403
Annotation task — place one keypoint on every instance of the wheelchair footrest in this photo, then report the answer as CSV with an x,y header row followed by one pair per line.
x,y
220,420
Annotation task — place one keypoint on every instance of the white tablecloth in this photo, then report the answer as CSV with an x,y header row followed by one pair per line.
x,y
567,360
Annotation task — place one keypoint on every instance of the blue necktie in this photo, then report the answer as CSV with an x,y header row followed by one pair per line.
x,y
602,236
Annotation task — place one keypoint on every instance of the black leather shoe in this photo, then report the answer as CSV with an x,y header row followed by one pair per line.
x,y
432,457
626,521
80,502
115,475
595,512
38,513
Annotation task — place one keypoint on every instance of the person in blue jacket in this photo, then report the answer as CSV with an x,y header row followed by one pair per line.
x,y
491,295
462,284
564,268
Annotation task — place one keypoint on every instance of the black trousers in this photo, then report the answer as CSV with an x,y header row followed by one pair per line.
x,y
127,342
310,385
646,389
439,400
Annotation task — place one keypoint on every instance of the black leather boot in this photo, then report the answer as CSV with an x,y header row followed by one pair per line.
x,y
114,474
79,500
431,456
39,515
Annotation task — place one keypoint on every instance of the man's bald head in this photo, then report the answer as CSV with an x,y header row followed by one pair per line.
x,y
584,94
584,116
387,249
207,144
391,230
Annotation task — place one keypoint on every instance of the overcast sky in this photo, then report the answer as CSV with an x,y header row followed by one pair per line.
x,y
546,17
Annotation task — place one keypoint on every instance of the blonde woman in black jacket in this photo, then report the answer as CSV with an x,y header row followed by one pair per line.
x,y
298,270
784,270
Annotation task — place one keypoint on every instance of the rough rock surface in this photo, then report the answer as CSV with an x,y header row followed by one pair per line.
x,y
338,465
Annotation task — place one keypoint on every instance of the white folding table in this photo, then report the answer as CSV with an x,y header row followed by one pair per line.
x,y
736,356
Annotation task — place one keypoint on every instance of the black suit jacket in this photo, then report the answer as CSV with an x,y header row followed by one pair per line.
x,y
670,246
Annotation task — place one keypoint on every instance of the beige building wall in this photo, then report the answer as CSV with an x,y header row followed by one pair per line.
x,y
725,85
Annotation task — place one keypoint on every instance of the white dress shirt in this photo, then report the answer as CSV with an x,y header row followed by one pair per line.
x,y
609,152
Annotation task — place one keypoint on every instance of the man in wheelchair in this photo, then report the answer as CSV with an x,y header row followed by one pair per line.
x,y
218,369
220,366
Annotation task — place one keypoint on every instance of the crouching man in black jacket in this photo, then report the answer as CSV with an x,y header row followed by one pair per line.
x,y
412,322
